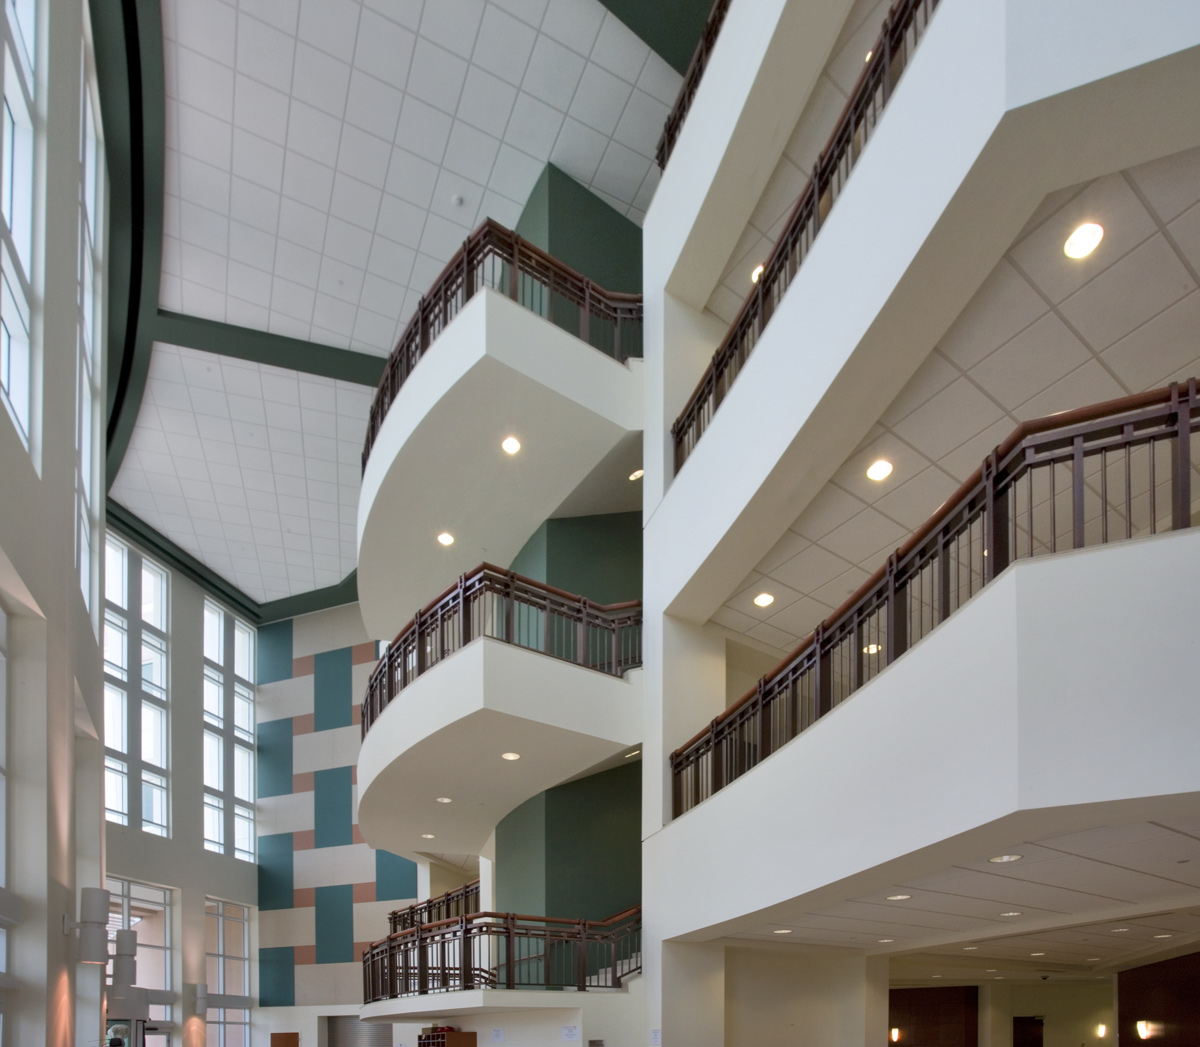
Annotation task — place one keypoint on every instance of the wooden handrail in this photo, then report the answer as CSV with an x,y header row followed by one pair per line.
x,y
691,81
496,257
541,617
1169,414
902,31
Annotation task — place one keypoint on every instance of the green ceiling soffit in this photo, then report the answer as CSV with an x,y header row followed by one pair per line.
x,y
124,522
672,28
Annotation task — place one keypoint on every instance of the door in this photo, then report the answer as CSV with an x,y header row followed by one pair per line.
x,y
1027,1032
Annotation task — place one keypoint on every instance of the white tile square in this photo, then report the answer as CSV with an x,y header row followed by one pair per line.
x,y
442,237
400,220
302,224
411,178
486,101
381,295
320,80
533,127
257,160
437,76
203,228
292,300
453,24
364,156
355,201
575,23
641,126
423,130
373,105
201,135
207,26
600,99
621,172
504,45
1003,306
660,80
529,11
347,243
330,25
307,181
619,49
334,314
265,53
297,264
514,174
203,84
340,281
313,134
203,184
471,153
578,150
553,73
451,189
261,110
384,49
283,14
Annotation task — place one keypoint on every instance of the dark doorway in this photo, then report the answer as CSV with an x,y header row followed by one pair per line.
x,y
1027,1032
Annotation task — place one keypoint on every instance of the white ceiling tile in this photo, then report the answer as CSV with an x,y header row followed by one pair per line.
x,y
302,224
261,110
373,105
253,246
1185,231
423,130
646,193
172,256
206,268
365,156
830,508
292,300
454,24
931,377
600,99
347,243
257,160
207,26
452,188
384,49
915,501
203,184
264,53
1036,358
533,126
246,314
320,80
424,272
340,280
642,123
514,173
249,284
619,49
442,237
530,11
773,636
330,25
1130,292
947,419
810,569
1004,305
400,220
486,101
374,329
846,65
660,80
308,181
470,153
312,133
1160,349
1171,184
300,265
201,135
553,73
499,209
254,205
299,326
283,14
575,23
503,45
801,617
1089,384
838,590
203,228
204,84
334,315
861,537
355,201
437,76
621,172
578,150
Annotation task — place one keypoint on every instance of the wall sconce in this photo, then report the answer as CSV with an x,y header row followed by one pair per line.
x,y
895,1035
1149,1030
92,925
1101,1030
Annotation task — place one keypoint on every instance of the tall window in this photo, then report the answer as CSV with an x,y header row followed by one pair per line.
x,y
135,703
146,910
16,211
87,384
227,929
228,734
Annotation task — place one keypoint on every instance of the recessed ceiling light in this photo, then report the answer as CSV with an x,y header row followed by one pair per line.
x,y
886,941
872,648
511,444
446,538
1119,930
758,271
1037,954
637,474
634,753
444,799
935,976
998,978
880,470
1164,936
969,948
1001,858
457,200
764,599
510,756
1084,240
427,836
868,58
990,970
898,897
1010,914
783,930
1093,959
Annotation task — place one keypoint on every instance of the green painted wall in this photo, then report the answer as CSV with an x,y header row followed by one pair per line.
x,y
575,850
670,27
574,225
599,557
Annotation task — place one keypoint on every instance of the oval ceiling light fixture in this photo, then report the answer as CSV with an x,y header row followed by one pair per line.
x,y
428,836
510,444
783,930
757,274
1084,240
886,941
510,756
764,600
969,948
898,897
879,470
444,799
1164,936
868,58
637,474
1010,914
446,538
1000,859
1037,954
872,648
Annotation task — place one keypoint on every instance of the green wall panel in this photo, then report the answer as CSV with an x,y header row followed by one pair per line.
x,y
277,977
333,817
275,757
335,924
531,560
275,651
672,28
332,686
599,557
521,859
395,877
275,878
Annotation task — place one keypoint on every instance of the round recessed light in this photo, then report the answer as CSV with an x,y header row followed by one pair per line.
x,y
872,648
510,756
990,970
1084,240
1000,859
758,271
1119,930
935,976
868,58
783,930
969,948
1093,959
1037,954
998,978
637,474
427,836
1164,936
510,444
886,941
444,799
1010,914
898,897
764,600
446,538
879,470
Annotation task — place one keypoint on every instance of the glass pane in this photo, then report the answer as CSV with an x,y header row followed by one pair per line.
x,y
214,761
243,847
214,711
115,571
154,595
115,645
235,976
116,793
154,665
115,723
210,933
243,773
214,824
154,803
154,734
214,633
243,650
243,712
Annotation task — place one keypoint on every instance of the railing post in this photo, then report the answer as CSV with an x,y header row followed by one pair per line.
x,y
466,970
581,634
516,269
897,613
615,629
715,766
423,333
510,945
464,613
1181,460
823,670
764,721
510,610
996,508
422,962
581,956
419,643
586,316
468,272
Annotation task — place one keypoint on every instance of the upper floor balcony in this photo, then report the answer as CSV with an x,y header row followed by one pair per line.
x,y
497,690
516,388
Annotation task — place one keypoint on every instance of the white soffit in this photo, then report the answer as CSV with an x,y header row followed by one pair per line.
x,y
252,469
1044,334
325,158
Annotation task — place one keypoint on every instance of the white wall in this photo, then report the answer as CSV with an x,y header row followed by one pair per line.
x,y
1072,1011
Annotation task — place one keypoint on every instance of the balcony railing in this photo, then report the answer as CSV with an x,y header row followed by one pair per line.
x,y
1102,474
504,951
691,81
902,31
462,901
490,601
498,258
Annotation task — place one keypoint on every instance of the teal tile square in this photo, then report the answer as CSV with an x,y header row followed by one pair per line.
x,y
275,757
335,924
332,687
275,876
275,651
277,977
333,807
395,877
